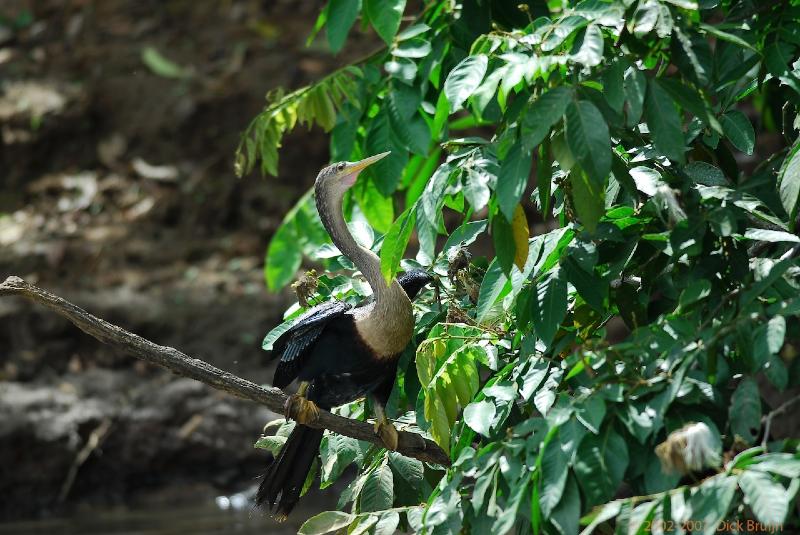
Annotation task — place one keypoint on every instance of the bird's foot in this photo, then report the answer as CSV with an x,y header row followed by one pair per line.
x,y
387,432
300,409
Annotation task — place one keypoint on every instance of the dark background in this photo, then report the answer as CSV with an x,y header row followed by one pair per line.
x,y
117,192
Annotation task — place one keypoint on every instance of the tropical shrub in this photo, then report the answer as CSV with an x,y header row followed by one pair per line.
x,y
652,144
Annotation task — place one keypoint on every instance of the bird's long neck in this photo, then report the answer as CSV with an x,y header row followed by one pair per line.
x,y
388,325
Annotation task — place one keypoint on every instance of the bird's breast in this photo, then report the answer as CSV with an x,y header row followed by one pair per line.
x,y
386,330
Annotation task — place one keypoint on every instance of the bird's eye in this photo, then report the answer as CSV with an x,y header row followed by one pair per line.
x,y
341,166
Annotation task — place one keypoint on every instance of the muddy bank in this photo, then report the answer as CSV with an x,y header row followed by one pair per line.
x,y
117,192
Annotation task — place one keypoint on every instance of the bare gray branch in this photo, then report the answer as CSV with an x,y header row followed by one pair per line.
x,y
410,444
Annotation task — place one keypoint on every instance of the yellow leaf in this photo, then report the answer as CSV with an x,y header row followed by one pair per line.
x,y
519,228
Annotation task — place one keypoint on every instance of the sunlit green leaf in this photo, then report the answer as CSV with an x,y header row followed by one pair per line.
x,y
600,464
789,181
464,79
326,522
479,415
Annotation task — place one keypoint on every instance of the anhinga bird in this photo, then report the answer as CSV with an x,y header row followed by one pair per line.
x,y
339,353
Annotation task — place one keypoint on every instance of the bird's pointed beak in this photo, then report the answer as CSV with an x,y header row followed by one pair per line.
x,y
366,162
352,170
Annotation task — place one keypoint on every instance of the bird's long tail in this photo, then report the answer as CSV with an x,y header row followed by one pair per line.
x,y
285,476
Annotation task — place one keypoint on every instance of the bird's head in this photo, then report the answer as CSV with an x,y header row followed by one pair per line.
x,y
342,175
413,281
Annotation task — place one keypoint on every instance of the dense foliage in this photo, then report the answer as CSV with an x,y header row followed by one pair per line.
x,y
659,287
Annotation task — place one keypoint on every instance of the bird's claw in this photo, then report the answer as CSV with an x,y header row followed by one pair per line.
x,y
300,409
387,433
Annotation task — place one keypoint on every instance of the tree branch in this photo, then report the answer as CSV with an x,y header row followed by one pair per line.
x,y
410,444
777,412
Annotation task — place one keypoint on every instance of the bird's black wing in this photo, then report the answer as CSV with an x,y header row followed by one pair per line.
x,y
293,345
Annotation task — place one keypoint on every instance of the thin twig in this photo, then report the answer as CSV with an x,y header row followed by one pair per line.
x,y
777,412
410,444
92,443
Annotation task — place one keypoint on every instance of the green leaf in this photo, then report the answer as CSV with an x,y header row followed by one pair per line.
x,y
705,174
271,443
161,66
341,16
600,463
590,287
395,243
387,525
588,48
588,197
691,101
479,416
378,208
664,122
363,524
635,86
613,85
503,241
647,180
726,36
378,491
326,522
387,171
745,410
549,305
767,498
533,377
412,48
555,468
413,31
540,117
464,236
789,182
275,333
561,29
546,395
494,286
692,55
696,291
782,464
566,516
645,18
512,180
385,15
591,412
588,139
283,257
773,236
544,177
464,79
739,131
710,503
777,58
407,125
411,470
337,452
685,4
776,332
440,425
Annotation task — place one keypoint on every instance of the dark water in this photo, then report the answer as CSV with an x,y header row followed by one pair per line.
x,y
235,516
